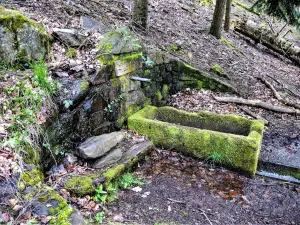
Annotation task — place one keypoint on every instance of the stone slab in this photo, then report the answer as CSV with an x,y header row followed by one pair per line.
x,y
98,146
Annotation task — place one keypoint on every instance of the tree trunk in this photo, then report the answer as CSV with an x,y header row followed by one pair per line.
x,y
140,13
216,25
227,15
270,40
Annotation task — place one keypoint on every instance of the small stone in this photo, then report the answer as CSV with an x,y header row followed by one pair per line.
x,y
97,146
112,157
71,37
71,158
89,23
77,219
72,63
136,150
40,209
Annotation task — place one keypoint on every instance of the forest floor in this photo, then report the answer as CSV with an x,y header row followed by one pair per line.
x,y
182,190
199,192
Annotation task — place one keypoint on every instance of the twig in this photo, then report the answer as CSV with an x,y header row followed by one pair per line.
x,y
258,103
173,200
203,213
247,111
277,95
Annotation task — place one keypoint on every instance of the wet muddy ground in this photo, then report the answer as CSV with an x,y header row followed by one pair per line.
x,y
182,190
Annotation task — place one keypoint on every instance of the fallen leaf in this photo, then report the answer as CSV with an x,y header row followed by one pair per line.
x,y
145,195
233,194
12,202
137,189
118,218
17,208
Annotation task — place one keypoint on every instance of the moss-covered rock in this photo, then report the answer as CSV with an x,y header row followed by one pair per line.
x,y
236,139
203,80
119,41
21,39
80,185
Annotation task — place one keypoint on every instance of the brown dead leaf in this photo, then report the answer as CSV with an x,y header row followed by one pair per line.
x,y
118,218
233,194
223,195
12,202
17,208
64,192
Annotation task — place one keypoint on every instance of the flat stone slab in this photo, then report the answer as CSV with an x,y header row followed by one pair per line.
x,y
229,140
131,154
112,156
98,146
280,149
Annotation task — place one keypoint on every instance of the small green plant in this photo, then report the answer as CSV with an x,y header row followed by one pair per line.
x,y
98,218
71,53
216,157
173,48
147,61
25,98
68,103
41,76
128,180
101,195
115,102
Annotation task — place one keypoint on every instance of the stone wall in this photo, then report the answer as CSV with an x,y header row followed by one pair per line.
x,y
129,80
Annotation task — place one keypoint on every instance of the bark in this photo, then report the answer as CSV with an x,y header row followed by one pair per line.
x,y
140,13
227,15
258,103
216,25
270,40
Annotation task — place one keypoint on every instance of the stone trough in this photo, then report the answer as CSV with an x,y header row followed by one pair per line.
x,y
230,140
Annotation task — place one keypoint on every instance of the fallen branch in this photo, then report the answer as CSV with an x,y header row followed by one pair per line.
x,y
173,200
206,217
255,116
277,95
258,103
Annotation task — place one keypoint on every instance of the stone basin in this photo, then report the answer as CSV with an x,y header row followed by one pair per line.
x,y
229,140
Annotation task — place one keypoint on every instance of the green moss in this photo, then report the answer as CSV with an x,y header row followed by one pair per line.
x,y
204,80
130,57
32,178
209,3
14,20
113,173
249,9
165,91
84,85
80,185
173,48
217,69
237,139
230,45
33,157
71,52
158,96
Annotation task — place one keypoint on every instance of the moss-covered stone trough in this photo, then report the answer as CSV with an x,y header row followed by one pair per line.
x,y
230,140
